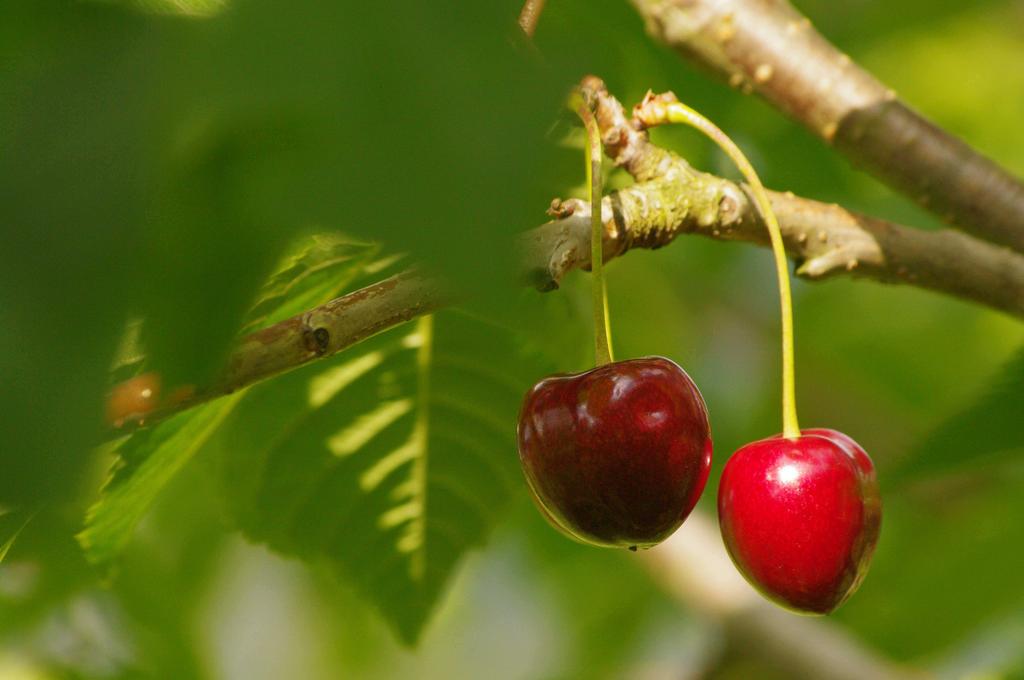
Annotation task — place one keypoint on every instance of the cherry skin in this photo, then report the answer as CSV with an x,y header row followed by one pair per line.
x,y
616,456
860,456
800,517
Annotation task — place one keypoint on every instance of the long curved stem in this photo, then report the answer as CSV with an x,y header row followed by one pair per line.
x,y
656,110
602,328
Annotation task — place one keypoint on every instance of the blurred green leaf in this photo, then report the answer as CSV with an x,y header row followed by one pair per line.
x,y
317,130
389,463
189,8
989,429
73,173
12,523
154,166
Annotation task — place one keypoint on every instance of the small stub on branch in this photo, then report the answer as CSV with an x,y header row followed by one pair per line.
x,y
316,340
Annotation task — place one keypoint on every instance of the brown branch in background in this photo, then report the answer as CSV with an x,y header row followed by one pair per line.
x,y
771,49
530,15
693,566
670,198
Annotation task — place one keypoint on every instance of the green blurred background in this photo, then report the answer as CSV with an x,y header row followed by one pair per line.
x,y
156,161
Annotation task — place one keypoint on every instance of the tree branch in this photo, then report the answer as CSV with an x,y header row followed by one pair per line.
x,y
771,49
671,198
289,344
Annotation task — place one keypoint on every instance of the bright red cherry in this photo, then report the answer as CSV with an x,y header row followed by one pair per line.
x,y
800,517
616,456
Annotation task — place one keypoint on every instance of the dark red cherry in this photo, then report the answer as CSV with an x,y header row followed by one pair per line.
x,y
800,517
616,456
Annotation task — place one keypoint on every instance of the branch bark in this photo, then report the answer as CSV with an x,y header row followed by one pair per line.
x,y
769,48
693,566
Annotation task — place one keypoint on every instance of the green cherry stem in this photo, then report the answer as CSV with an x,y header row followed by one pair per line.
x,y
602,329
659,109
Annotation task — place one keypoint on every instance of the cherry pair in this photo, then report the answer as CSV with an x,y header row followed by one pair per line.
x,y
619,455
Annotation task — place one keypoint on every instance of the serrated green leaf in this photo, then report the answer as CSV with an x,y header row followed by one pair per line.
x,y
147,461
319,268
989,429
389,462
